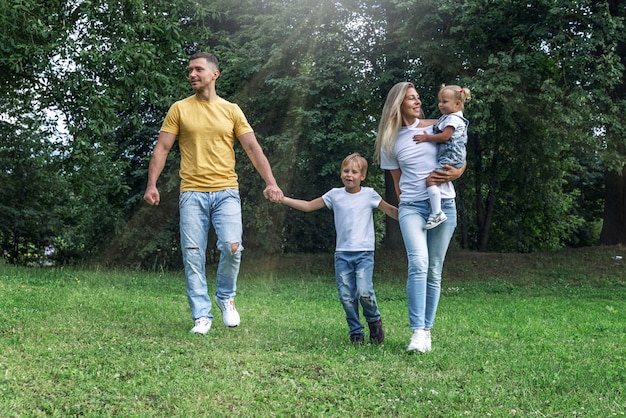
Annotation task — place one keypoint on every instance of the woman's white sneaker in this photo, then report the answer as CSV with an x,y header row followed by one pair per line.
x,y
429,343
420,341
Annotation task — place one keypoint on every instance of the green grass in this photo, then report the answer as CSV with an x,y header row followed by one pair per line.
x,y
516,335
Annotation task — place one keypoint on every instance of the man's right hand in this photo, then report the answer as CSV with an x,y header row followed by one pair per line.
x,y
152,196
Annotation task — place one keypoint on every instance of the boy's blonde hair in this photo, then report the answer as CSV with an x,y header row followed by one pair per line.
x,y
357,160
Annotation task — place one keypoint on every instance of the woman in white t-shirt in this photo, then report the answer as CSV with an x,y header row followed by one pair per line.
x,y
409,164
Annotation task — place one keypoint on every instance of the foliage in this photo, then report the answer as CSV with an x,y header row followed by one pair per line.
x,y
534,60
309,105
29,168
91,81
102,72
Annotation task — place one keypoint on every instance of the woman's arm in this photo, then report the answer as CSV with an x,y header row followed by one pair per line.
x,y
395,175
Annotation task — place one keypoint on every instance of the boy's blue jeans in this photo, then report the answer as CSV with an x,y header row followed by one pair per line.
x,y
426,251
353,273
198,210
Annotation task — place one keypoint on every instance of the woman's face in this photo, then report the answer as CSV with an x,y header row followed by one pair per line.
x,y
411,107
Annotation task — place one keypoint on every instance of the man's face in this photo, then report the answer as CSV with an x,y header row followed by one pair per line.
x,y
202,74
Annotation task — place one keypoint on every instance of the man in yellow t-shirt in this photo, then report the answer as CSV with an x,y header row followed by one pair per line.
x,y
206,127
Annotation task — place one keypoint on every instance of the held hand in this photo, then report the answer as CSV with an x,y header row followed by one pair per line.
x,y
273,193
152,196
420,138
394,213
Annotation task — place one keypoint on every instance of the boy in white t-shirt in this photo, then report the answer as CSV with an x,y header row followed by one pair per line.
x,y
450,132
353,207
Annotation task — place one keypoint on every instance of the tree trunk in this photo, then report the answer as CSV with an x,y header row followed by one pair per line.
x,y
614,226
461,214
484,209
393,236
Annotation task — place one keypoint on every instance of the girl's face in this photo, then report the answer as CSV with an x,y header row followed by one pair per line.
x,y
411,108
447,103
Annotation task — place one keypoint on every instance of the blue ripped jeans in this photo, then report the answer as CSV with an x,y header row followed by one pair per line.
x,y
353,273
426,251
198,210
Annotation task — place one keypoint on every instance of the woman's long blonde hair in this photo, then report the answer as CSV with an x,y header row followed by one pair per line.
x,y
391,119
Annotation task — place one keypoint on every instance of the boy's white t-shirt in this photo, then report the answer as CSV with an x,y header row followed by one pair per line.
x,y
354,220
416,161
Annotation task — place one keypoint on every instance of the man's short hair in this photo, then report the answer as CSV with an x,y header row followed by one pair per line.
x,y
211,59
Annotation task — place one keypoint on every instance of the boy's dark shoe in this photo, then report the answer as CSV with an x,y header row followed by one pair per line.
x,y
357,339
377,335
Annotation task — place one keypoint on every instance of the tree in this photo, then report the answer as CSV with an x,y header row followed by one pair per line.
x,y
307,99
545,121
521,61
32,191
614,226
103,69
31,185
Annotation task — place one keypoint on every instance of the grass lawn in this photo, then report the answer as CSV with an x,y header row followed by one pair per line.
x,y
516,335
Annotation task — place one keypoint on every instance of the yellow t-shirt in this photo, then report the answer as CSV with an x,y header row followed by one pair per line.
x,y
206,133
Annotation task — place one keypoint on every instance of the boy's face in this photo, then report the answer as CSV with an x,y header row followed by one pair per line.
x,y
351,177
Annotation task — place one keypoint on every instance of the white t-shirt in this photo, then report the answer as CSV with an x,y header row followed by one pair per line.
x,y
416,161
354,220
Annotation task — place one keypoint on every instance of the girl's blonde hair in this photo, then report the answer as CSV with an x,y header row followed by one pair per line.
x,y
462,94
391,118
357,160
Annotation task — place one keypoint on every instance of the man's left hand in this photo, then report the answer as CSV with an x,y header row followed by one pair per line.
x,y
273,194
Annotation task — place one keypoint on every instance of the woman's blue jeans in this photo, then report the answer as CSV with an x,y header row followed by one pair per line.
x,y
426,250
198,210
353,273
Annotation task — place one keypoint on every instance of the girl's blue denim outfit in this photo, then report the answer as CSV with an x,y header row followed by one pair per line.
x,y
426,250
198,210
353,273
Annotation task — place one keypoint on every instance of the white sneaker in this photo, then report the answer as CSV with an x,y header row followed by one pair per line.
x,y
420,341
429,344
435,219
230,316
203,325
